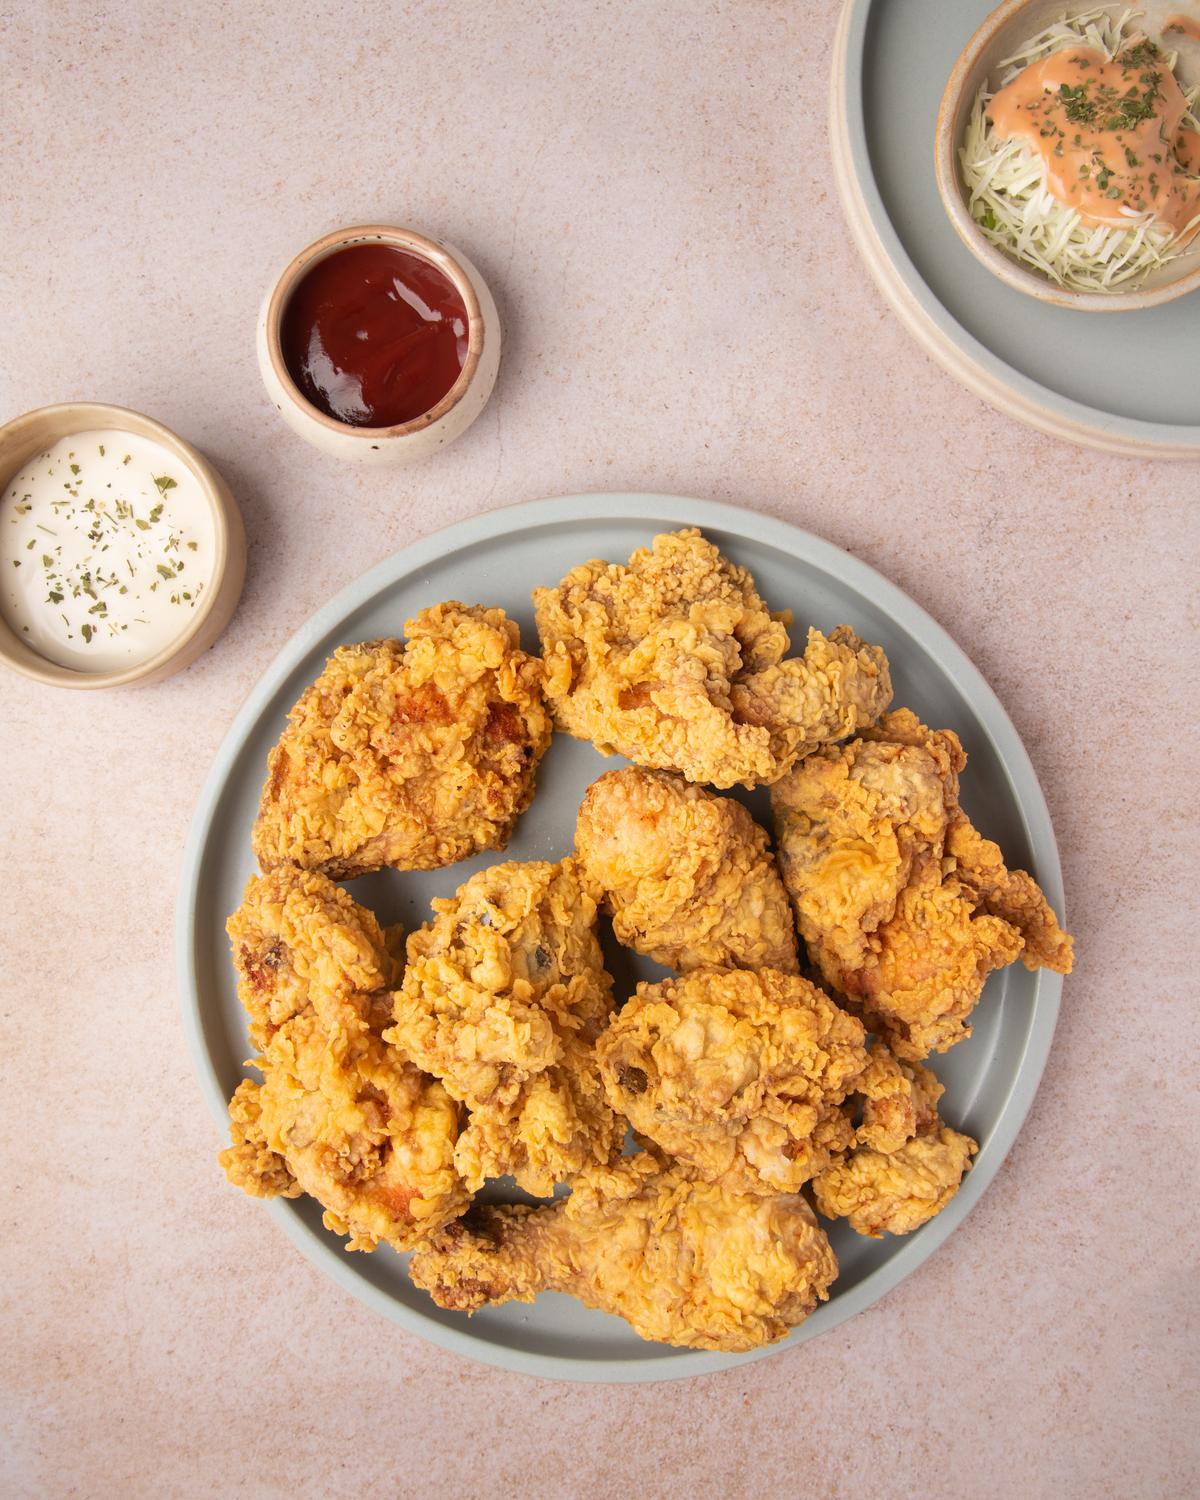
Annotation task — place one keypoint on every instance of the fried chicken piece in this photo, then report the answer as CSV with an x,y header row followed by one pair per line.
x,y
687,875
906,1165
300,940
904,908
341,1117
684,1262
556,1123
899,1100
504,996
895,1192
1012,895
737,1075
337,1114
250,1163
411,755
675,662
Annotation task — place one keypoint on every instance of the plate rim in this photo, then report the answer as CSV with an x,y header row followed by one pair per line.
x,y
673,511
927,319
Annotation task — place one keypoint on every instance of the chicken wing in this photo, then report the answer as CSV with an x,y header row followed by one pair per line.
x,y
684,1262
411,755
675,662
687,875
504,996
904,909
737,1075
338,1114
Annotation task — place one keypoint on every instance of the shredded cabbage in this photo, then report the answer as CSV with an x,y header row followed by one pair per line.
x,y
1009,199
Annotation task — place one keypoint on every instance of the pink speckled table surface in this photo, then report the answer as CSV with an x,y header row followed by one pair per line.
x,y
647,188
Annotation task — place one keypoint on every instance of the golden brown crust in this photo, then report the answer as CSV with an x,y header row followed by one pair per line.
x,y
504,996
737,1075
685,1262
356,1127
300,941
897,1192
411,755
904,909
1012,895
899,1099
249,1162
674,661
338,1114
687,875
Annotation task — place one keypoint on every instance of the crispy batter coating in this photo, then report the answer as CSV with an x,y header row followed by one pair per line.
x,y
675,662
504,996
903,907
411,755
737,1075
687,875
899,1100
557,1123
341,1117
299,940
250,1163
684,1262
1012,895
338,1114
897,1192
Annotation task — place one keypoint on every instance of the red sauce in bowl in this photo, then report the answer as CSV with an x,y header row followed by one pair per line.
x,y
374,336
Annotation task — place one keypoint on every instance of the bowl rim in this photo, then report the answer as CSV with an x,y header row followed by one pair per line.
x,y
85,416
402,238
947,133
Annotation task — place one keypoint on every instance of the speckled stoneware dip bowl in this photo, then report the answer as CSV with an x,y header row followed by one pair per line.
x,y
423,435
35,431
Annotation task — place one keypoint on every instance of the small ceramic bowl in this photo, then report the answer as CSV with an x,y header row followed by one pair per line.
x,y
25,436
433,429
979,62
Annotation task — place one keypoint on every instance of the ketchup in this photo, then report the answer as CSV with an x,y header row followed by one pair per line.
x,y
374,336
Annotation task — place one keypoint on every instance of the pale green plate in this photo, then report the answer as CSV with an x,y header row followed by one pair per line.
x,y
497,559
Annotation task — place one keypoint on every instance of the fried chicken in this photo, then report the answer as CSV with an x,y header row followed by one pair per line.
x,y
504,996
687,875
904,908
341,1117
899,1100
411,755
675,662
737,1075
905,1165
895,1192
1012,895
338,1114
298,939
684,1262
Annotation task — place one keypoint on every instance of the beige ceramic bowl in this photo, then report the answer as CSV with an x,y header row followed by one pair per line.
x,y
425,434
979,62
28,435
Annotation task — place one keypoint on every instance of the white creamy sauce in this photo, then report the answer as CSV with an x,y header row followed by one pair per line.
x,y
106,550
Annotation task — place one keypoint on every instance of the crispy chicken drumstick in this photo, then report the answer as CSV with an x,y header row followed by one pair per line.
x,y
684,1262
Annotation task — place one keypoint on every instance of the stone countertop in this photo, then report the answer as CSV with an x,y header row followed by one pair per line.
x,y
647,188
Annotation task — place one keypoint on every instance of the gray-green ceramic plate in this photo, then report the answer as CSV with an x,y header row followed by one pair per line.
x,y
1123,383
497,559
